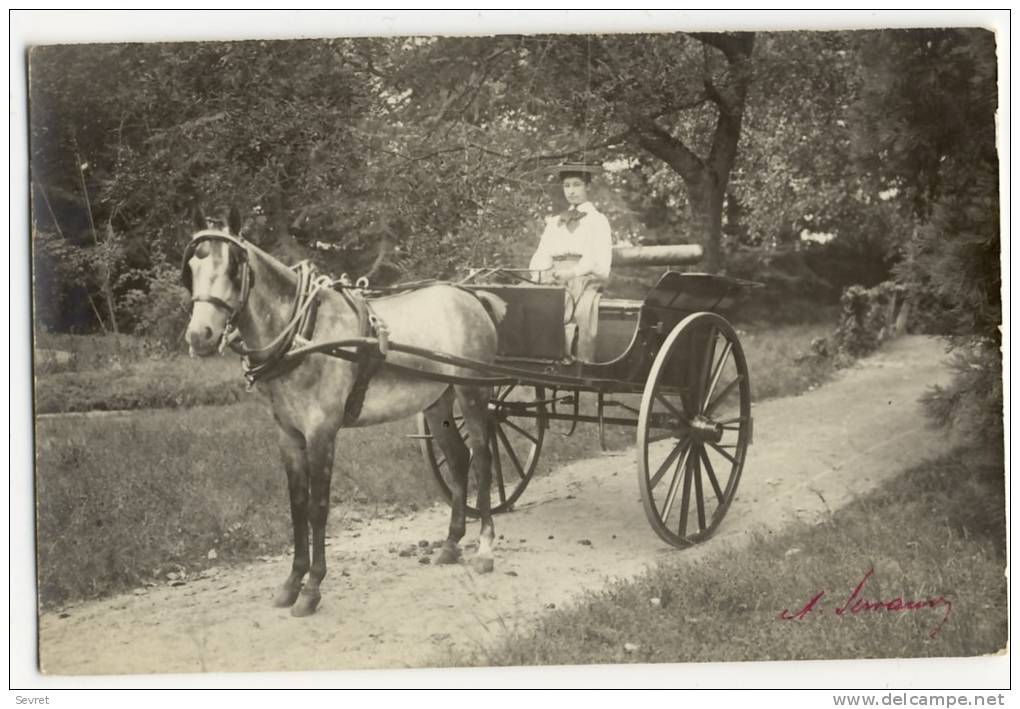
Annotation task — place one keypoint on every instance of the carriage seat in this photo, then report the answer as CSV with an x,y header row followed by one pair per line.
x,y
618,319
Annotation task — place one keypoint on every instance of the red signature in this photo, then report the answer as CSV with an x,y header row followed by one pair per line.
x,y
856,603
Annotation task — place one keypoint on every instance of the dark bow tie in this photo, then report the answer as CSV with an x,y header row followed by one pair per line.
x,y
570,216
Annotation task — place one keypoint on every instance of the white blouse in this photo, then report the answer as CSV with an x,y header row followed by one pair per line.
x,y
592,240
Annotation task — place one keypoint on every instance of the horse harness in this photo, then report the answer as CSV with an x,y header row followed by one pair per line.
x,y
273,360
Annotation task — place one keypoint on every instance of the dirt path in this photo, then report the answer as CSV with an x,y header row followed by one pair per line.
x,y
811,453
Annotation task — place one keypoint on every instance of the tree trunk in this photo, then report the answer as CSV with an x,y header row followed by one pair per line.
x,y
706,206
105,281
108,297
706,178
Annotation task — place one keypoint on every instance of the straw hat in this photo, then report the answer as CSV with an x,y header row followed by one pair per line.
x,y
583,168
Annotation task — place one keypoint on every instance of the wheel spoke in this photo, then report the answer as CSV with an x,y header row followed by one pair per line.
x,y
711,475
669,405
510,451
731,421
497,468
706,363
502,396
521,431
681,469
722,395
685,505
669,460
723,453
716,374
699,493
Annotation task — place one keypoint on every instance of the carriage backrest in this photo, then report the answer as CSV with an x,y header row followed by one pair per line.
x,y
694,292
533,325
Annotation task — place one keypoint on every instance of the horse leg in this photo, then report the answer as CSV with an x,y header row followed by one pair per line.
x,y
474,402
319,452
292,450
446,435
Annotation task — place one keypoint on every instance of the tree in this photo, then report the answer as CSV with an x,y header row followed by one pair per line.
x,y
677,99
926,128
127,138
706,177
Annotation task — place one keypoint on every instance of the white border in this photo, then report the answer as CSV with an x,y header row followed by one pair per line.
x,y
37,27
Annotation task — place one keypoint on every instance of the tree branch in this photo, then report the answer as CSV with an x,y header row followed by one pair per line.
x,y
660,143
612,140
735,45
731,109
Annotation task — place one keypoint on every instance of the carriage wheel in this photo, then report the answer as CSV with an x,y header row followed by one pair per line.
x,y
694,427
517,428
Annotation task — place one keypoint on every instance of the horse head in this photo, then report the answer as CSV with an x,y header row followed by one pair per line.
x,y
215,271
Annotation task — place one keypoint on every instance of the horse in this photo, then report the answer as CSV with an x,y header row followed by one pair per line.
x,y
244,297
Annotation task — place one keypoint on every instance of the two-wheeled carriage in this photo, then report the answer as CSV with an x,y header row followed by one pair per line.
x,y
673,349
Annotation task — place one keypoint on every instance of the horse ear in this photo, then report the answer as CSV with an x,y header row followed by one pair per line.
x,y
197,218
234,221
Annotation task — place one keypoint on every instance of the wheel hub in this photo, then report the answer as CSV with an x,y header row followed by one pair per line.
x,y
706,430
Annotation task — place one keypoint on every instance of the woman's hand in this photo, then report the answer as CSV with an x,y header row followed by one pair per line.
x,y
565,274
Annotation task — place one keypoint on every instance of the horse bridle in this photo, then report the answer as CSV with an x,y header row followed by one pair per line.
x,y
247,277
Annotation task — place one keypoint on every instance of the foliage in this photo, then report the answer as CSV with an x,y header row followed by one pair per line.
x,y
972,403
926,127
953,259
413,157
162,310
792,172
868,318
925,117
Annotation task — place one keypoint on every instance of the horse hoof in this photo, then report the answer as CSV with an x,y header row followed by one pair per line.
x,y
285,597
448,556
483,566
306,604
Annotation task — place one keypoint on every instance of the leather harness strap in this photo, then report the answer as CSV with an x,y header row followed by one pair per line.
x,y
272,360
369,358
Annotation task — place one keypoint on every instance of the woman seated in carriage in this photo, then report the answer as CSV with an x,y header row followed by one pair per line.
x,y
575,251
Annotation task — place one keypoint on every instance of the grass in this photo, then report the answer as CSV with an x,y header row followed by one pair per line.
x,y
152,384
116,372
125,500
937,530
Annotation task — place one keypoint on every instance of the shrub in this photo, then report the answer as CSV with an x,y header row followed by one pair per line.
x,y
972,403
867,318
162,312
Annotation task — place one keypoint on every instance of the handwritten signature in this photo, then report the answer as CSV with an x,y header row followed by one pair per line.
x,y
856,603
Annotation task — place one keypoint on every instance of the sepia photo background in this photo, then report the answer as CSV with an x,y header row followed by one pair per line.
x,y
62,27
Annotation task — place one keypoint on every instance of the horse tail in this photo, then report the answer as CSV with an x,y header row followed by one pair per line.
x,y
493,304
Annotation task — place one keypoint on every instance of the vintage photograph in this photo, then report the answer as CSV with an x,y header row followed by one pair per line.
x,y
517,349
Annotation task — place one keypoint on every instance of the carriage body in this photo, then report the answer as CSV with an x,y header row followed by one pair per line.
x,y
630,332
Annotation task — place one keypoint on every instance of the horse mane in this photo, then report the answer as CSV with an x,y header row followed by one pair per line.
x,y
277,269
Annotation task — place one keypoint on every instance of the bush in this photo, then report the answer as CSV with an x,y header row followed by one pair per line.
x,y
162,312
972,403
785,274
868,317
